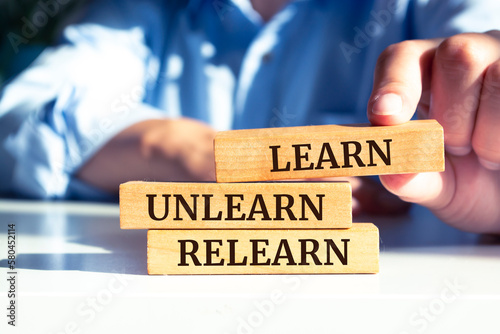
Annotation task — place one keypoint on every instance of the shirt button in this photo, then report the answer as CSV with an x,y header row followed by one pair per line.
x,y
267,57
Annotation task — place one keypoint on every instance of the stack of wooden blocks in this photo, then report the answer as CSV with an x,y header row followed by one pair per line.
x,y
240,226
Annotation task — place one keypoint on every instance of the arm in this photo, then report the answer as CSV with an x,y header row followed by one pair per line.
x,y
81,94
159,150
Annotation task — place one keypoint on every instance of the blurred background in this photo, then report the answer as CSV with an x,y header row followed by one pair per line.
x,y
27,27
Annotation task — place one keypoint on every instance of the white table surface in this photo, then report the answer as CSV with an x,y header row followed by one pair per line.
x,y
79,273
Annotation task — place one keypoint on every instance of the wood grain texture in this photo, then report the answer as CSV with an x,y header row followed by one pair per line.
x,y
328,150
208,252
235,205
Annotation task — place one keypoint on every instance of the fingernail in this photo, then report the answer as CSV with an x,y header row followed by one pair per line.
x,y
458,150
489,164
388,104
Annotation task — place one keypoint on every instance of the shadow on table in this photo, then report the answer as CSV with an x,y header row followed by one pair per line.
x,y
79,242
105,263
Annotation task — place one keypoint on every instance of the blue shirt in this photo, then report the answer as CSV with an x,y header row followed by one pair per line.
x,y
128,61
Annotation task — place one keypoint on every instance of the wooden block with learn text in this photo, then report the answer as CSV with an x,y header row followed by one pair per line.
x,y
270,205
209,252
328,150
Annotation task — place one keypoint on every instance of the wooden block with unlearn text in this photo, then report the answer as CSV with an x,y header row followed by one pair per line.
x,y
208,252
171,205
328,150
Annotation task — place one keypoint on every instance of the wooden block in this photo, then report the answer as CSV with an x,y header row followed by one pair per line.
x,y
167,205
198,252
328,150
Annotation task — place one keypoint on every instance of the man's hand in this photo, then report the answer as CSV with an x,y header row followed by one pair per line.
x,y
457,82
160,150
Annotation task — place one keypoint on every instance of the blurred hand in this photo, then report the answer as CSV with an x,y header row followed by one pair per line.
x,y
370,197
457,82
160,150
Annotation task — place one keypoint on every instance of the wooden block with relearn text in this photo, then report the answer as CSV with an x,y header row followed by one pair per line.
x,y
276,205
328,150
208,252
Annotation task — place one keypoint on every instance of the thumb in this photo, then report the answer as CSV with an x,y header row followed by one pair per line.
x,y
433,190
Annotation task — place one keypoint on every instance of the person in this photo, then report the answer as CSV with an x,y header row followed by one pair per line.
x,y
137,90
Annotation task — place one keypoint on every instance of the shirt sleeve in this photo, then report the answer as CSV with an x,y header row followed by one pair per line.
x,y
444,18
78,95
